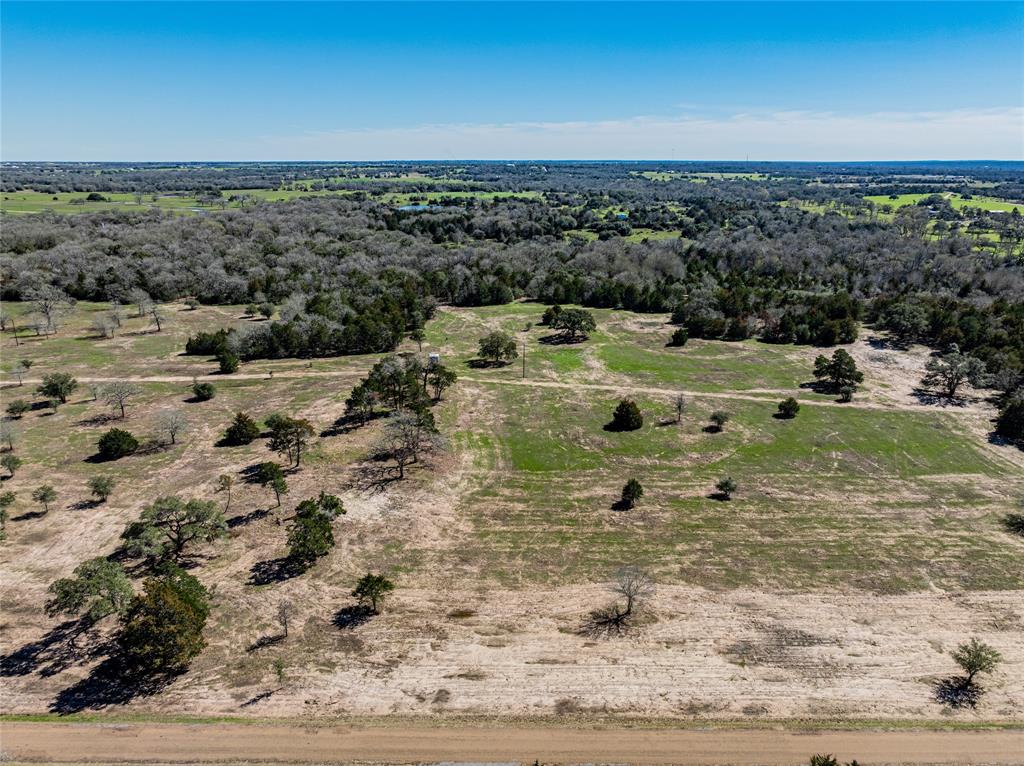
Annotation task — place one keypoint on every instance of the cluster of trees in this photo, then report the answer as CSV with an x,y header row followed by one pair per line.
x,y
161,628
403,387
350,274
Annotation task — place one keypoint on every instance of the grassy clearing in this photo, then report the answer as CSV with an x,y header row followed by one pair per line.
x,y
956,200
873,498
22,202
833,498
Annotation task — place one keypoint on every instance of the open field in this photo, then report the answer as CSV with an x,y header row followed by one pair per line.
x,y
862,545
956,200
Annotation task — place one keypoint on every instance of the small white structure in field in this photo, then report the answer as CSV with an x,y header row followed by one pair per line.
x,y
433,359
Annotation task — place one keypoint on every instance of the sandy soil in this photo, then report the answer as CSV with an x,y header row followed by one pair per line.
x,y
398,744
704,655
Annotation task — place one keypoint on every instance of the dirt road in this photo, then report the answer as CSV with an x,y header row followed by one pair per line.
x,y
154,742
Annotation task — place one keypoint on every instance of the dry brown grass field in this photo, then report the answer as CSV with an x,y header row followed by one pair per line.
x,y
863,544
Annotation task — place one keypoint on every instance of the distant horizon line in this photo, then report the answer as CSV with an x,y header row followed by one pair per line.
x,y
520,160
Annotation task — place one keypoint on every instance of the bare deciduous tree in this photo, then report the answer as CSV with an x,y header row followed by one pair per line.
x,y
118,393
143,303
285,610
158,317
51,303
173,423
104,326
632,584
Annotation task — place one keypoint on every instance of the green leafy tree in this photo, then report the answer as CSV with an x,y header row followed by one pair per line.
x,y
1014,523
203,392
101,487
361,402
549,314
170,524
975,657
98,588
907,322
679,337
371,590
631,493
11,463
270,475
116,443
440,379
58,385
6,501
163,629
627,416
228,362
838,372
243,430
726,487
823,760
718,419
289,436
224,484
18,408
310,535
951,370
574,323
498,346
417,336
44,495
788,408
1010,422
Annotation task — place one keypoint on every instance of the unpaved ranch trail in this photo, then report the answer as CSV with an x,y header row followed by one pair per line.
x,y
225,743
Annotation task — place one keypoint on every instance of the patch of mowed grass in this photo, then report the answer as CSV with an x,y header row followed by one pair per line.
x,y
542,505
456,333
854,441
704,365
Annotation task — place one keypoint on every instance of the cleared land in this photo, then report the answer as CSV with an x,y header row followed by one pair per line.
x,y
956,200
862,545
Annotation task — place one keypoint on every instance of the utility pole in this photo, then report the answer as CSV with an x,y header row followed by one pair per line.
x,y
524,358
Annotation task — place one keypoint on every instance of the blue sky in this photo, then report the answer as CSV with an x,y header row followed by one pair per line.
x,y
773,81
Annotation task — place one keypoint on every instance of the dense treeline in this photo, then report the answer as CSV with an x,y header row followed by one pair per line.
x,y
351,275
1004,178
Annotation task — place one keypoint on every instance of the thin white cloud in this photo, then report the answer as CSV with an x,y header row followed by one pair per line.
x,y
996,133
